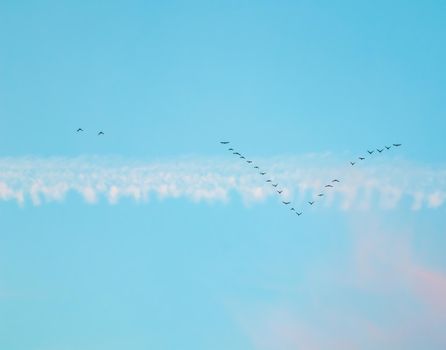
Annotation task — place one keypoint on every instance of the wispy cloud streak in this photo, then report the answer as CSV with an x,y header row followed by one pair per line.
x,y
382,184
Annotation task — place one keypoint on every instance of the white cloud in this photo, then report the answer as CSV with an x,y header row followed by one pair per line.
x,y
41,180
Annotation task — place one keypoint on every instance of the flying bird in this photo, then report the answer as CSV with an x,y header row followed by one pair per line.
x,y
269,180
230,149
249,161
370,152
328,185
279,192
236,153
335,180
298,214
256,167
320,194
388,147
352,163
380,150
224,142
262,173
286,203
310,203
100,133
293,209
361,158
397,144
275,185
80,129
241,157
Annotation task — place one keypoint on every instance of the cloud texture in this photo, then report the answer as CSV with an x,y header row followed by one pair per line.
x,y
380,184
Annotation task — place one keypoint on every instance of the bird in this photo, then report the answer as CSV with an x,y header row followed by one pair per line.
x,y
269,180
256,167
241,157
262,173
293,209
380,150
80,129
335,180
352,163
236,153
275,185
361,158
230,149
370,152
286,203
310,203
224,142
328,185
388,147
279,192
249,161
298,214
397,144
320,194
100,133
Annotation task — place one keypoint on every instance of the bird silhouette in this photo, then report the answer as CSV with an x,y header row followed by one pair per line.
x,y
370,152
256,167
80,129
320,194
275,185
388,147
224,142
380,150
361,158
249,161
298,214
241,157
397,144
335,180
269,180
262,173
352,163
100,133
230,149
286,203
310,203
279,192
236,153
328,185
293,209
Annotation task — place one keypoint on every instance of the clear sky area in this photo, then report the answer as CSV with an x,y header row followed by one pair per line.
x,y
155,235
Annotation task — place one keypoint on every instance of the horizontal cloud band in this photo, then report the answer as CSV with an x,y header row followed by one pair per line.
x,y
214,179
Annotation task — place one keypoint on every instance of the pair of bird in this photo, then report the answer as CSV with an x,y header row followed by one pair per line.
x,y
99,133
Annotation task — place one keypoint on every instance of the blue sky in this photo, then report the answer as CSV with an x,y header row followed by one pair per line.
x,y
154,237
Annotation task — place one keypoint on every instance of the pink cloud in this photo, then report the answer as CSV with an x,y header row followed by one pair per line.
x,y
430,286
385,270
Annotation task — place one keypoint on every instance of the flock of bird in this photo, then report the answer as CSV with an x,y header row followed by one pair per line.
x,y
82,130
279,190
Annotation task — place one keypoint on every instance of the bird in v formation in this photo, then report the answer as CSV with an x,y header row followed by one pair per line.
x,y
327,186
